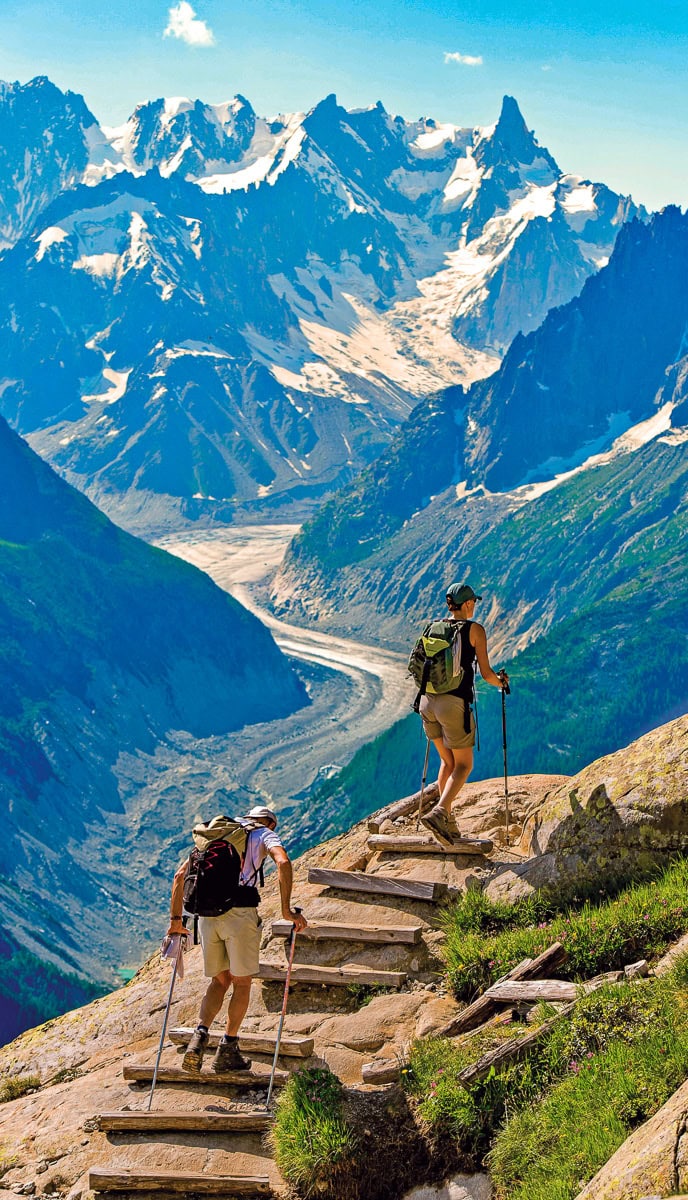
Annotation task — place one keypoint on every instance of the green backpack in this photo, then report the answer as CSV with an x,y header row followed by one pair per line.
x,y
435,662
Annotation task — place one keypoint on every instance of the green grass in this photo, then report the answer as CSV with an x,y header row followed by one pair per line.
x,y
548,1151
484,939
14,1086
311,1139
546,1125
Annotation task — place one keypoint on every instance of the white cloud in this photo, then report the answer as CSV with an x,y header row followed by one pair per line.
x,y
466,60
547,68
184,24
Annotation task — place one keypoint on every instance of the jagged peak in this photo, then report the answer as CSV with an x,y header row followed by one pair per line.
x,y
510,140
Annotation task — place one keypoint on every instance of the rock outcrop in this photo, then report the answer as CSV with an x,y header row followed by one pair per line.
x,y
616,819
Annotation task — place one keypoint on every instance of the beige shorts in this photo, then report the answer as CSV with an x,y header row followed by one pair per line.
x,y
231,942
442,717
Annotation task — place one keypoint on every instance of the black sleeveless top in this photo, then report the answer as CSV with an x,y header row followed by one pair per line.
x,y
465,688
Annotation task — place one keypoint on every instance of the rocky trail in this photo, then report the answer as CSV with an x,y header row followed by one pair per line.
x,y
395,952
367,978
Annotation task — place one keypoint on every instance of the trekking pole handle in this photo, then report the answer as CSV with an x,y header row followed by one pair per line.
x,y
292,935
505,686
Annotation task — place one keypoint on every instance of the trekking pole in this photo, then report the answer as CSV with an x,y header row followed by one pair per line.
x,y
422,783
292,944
506,691
165,1020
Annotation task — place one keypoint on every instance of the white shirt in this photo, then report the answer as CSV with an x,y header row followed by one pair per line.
x,y
258,843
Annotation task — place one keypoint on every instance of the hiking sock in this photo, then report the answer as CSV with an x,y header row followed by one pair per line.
x,y
201,1028
230,1039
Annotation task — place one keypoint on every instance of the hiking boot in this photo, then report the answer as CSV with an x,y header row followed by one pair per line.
x,y
228,1058
441,825
193,1059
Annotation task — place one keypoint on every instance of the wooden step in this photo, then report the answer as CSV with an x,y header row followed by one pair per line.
x,y
420,844
144,1074
486,1005
185,1119
378,885
326,931
337,976
252,1043
401,808
511,991
102,1180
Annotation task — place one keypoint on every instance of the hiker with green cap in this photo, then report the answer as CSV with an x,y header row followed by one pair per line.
x,y
445,707
217,882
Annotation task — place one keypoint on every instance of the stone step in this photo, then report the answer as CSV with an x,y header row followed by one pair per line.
x,y
335,976
252,1043
420,844
102,1180
185,1119
327,931
379,885
242,1079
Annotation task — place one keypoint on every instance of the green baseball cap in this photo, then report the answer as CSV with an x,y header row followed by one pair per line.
x,y
459,593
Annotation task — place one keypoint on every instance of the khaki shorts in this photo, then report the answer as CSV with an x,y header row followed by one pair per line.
x,y
442,717
231,942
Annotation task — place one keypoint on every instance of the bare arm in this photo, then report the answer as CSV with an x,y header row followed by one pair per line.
x,y
479,644
285,877
176,900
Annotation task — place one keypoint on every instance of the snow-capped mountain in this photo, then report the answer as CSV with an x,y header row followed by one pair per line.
x,y
592,406
232,311
48,139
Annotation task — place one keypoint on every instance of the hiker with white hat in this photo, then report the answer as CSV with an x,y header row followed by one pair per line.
x,y
218,883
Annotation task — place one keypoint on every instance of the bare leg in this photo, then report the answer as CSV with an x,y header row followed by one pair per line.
x,y
463,765
446,763
214,997
236,1011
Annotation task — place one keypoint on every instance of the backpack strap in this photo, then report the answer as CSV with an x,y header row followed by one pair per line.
x,y
423,685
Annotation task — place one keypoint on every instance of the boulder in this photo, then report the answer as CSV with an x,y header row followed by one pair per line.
x,y
619,817
462,1187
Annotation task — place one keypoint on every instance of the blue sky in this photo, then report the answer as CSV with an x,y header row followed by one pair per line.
x,y
603,85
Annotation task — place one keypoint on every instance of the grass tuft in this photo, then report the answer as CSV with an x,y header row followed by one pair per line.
x,y
14,1086
312,1142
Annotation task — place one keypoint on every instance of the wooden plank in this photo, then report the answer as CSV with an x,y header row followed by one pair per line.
x,y
378,885
144,1074
518,1048
401,808
485,1006
185,1119
509,991
337,976
511,1051
385,843
102,1180
252,1043
326,931
385,1070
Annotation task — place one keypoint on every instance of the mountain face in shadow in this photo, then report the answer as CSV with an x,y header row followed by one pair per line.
x,y
106,646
